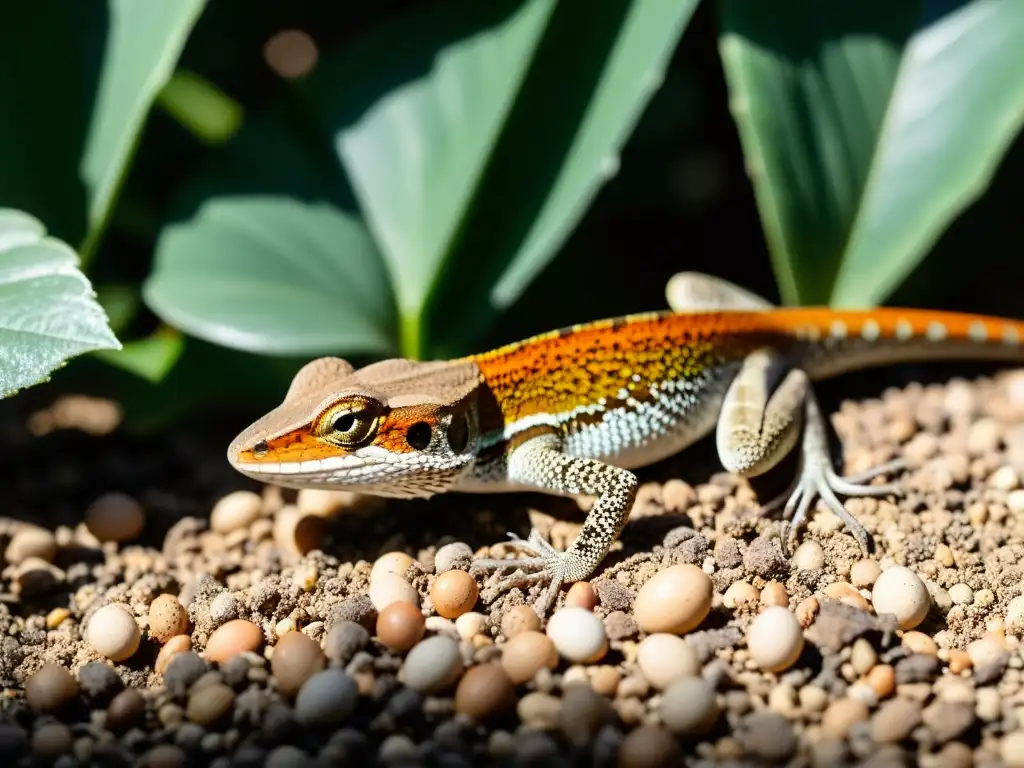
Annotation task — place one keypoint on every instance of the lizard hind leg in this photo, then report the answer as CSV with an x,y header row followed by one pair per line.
x,y
817,479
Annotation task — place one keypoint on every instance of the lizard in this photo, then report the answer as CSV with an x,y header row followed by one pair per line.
x,y
576,411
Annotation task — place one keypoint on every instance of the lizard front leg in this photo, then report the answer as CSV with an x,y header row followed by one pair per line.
x,y
756,430
539,462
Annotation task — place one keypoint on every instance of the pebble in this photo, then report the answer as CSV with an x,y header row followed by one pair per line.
x,y
324,503
391,562
177,644
676,600
237,510
919,642
454,593
231,639
400,626
223,608
539,710
900,591
521,618
50,741
344,640
99,682
471,624
115,517
862,656
809,556
961,594
113,632
774,593
740,593
296,658
581,595
1011,750
664,658
895,719
451,556
864,573
31,541
649,746
841,715
526,654
767,735
167,618
689,707
125,711
775,639
484,691
578,635
882,679
327,698
50,688
164,756
388,588
298,532
209,704
583,714
432,665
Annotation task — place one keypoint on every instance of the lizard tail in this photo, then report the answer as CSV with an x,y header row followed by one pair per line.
x,y
833,342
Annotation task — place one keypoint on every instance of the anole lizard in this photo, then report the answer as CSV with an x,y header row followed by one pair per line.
x,y
574,411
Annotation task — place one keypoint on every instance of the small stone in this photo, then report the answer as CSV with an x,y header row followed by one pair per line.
x,y
401,625
919,642
387,588
864,573
862,656
115,517
961,594
391,562
454,593
296,658
649,746
184,669
231,639
1011,749
583,714
581,595
675,600
809,556
344,640
457,555
521,618
539,710
664,658
50,741
432,665
31,541
882,679
125,711
526,654
740,593
775,639
177,644
223,608
471,624
688,706
209,704
900,591
99,682
113,632
328,698
237,510
841,715
484,691
50,688
774,593
767,735
895,719
578,635
165,756
167,618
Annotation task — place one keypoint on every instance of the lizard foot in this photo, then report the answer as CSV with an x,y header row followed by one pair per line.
x,y
817,479
544,556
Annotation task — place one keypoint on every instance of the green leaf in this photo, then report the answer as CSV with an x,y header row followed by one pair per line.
x,y
48,312
80,77
868,127
151,358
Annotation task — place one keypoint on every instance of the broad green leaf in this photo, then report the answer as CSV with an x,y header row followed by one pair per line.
x,y
267,257
868,127
48,311
76,84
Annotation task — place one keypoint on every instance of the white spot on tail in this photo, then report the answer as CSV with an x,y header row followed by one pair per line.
x,y
870,330
936,331
837,329
977,331
904,330
1010,335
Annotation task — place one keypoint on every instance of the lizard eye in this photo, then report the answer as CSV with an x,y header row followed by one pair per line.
x,y
260,449
349,427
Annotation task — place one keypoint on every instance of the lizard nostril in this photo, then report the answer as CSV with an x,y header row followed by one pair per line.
x,y
260,449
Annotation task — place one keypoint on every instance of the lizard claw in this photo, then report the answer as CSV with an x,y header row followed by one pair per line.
x,y
817,479
545,557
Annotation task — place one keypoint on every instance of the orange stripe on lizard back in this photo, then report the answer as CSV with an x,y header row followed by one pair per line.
x,y
576,366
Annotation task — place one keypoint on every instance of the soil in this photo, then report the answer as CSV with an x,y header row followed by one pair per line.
x,y
959,526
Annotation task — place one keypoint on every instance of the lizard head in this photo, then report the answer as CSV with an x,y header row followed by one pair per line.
x,y
394,428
